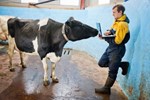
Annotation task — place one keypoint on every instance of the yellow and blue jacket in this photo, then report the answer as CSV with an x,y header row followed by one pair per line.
x,y
121,30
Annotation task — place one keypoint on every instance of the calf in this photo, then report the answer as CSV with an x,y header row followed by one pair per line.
x,y
46,38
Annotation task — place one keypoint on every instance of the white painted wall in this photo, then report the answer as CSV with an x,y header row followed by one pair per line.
x,y
103,2
29,1
70,2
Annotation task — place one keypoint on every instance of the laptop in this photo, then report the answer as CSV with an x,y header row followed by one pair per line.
x,y
98,25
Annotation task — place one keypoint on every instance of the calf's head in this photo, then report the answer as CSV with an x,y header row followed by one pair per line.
x,y
76,30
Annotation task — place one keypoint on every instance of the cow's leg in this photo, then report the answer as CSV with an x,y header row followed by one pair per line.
x,y
45,66
21,59
53,76
54,59
11,46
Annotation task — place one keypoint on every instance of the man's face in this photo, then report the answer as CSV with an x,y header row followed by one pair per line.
x,y
116,14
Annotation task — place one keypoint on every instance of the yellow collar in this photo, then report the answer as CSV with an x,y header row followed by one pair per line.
x,y
122,18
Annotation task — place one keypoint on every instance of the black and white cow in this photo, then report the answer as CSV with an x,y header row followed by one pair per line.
x,y
46,38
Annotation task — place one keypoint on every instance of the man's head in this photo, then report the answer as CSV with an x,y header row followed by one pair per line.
x,y
118,11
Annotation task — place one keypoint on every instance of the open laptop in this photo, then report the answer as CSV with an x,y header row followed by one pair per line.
x,y
98,25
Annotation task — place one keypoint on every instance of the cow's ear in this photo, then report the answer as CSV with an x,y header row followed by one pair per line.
x,y
69,21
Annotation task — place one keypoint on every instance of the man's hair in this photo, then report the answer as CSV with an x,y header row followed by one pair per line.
x,y
119,8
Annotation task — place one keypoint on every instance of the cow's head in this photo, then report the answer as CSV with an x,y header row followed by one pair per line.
x,y
76,30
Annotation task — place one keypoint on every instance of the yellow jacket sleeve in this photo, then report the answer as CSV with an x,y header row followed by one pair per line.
x,y
121,31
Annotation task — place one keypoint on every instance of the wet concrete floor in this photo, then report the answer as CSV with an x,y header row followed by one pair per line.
x,y
78,75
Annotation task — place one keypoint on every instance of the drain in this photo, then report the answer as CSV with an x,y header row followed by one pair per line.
x,y
67,51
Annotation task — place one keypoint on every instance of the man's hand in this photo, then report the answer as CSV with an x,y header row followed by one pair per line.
x,y
107,33
100,36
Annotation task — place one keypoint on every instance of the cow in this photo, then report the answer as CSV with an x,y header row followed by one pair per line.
x,y
46,38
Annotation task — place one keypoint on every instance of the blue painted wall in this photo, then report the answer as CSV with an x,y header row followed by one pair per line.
x,y
136,85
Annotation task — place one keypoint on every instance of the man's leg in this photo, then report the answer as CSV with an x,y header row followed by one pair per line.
x,y
114,62
104,60
113,70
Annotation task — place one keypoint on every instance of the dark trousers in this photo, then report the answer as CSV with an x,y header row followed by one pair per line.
x,y
112,58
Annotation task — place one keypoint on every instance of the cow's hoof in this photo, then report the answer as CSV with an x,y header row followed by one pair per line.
x,y
46,83
12,69
24,66
55,80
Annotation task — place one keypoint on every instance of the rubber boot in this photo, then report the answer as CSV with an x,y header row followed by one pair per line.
x,y
124,66
106,89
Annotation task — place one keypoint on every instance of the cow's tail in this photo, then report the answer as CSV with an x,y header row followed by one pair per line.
x,y
11,26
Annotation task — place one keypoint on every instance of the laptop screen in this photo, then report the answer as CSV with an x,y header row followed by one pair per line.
x,y
98,25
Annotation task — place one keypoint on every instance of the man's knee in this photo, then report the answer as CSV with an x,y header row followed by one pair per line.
x,y
102,64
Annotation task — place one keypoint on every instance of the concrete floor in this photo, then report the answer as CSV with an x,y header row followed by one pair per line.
x,y
78,75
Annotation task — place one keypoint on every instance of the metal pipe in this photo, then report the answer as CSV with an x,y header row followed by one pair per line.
x,y
34,4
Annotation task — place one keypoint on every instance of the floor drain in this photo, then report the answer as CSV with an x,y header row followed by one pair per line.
x,y
67,51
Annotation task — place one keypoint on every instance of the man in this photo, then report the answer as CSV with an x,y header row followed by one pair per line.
x,y
115,51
